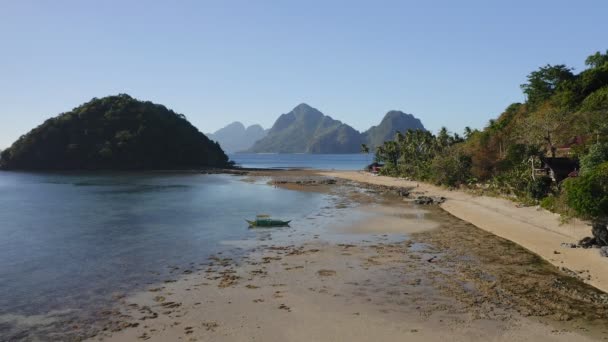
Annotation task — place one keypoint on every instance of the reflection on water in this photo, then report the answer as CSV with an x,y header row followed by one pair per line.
x,y
71,244
71,241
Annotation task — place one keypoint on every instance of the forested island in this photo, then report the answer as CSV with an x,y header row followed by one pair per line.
x,y
551,150
114,133
307,130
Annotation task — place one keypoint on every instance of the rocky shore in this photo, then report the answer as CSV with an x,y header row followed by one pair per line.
x,y
408,271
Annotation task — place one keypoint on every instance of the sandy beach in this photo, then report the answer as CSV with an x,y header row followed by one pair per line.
x,y
399,272
536,229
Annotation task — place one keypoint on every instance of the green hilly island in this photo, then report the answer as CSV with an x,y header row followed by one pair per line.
x,y
306,130
114,133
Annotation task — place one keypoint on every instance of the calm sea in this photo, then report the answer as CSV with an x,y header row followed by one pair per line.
x,y
314,161
71,242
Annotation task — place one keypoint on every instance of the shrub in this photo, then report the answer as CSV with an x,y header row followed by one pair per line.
x,y
587,195
597,155
451,169
539,188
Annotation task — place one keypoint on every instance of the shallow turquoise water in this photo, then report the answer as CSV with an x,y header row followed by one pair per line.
x,y
69,241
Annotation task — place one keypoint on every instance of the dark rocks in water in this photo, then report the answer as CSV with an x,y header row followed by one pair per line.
x,y
423,200
599,239
600,233
403,192
307,181
586,242
223,171
427,200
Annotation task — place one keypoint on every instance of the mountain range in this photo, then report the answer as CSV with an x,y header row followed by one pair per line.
x,y
236,138
306,130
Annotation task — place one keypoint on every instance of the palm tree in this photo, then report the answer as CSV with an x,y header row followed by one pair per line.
x,y
468,132
365,150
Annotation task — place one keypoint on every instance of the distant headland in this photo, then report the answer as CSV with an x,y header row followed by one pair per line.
x,y
114,133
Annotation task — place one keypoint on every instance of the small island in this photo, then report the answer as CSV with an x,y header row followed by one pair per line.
x,y
114,133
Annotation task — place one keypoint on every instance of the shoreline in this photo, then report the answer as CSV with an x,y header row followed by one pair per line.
x,y
440,278
535,229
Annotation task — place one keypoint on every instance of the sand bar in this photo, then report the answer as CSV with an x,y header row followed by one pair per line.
x,y
536,229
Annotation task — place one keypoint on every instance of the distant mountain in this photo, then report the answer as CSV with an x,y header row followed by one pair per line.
x,y
114,133
307,130
236,138
394,121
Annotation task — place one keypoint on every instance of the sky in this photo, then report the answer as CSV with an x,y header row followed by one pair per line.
x,y
450,63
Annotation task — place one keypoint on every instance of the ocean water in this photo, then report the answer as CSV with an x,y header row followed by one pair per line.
x,y
72,241
313,161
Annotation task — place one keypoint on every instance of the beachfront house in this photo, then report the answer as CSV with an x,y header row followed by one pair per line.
x,y
558,168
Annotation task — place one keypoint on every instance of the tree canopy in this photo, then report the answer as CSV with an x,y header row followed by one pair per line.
x,y
114,132
564,110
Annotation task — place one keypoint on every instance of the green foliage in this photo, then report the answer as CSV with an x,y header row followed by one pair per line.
x,y
115,132
561,108
596,101
598,154
364,149
451,167
421,155
597,60
539,188
587,195
544,82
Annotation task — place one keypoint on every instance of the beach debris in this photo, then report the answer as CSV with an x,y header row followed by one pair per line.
x,y
284,307
604,251
171,305
210,326
568,245
228,280
326,273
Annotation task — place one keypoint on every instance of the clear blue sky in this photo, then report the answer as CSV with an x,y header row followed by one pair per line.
x,y
452,63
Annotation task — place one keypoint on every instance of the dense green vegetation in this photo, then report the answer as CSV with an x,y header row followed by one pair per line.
x,y
562,107
115,132
307,130
393,121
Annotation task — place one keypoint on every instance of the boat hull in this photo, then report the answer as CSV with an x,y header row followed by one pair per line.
x,y
268,223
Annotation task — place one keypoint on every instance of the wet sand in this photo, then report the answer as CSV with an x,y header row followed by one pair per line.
x,y
410,274
534,228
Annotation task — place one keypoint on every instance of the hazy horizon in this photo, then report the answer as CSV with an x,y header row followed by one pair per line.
x,y
452,65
